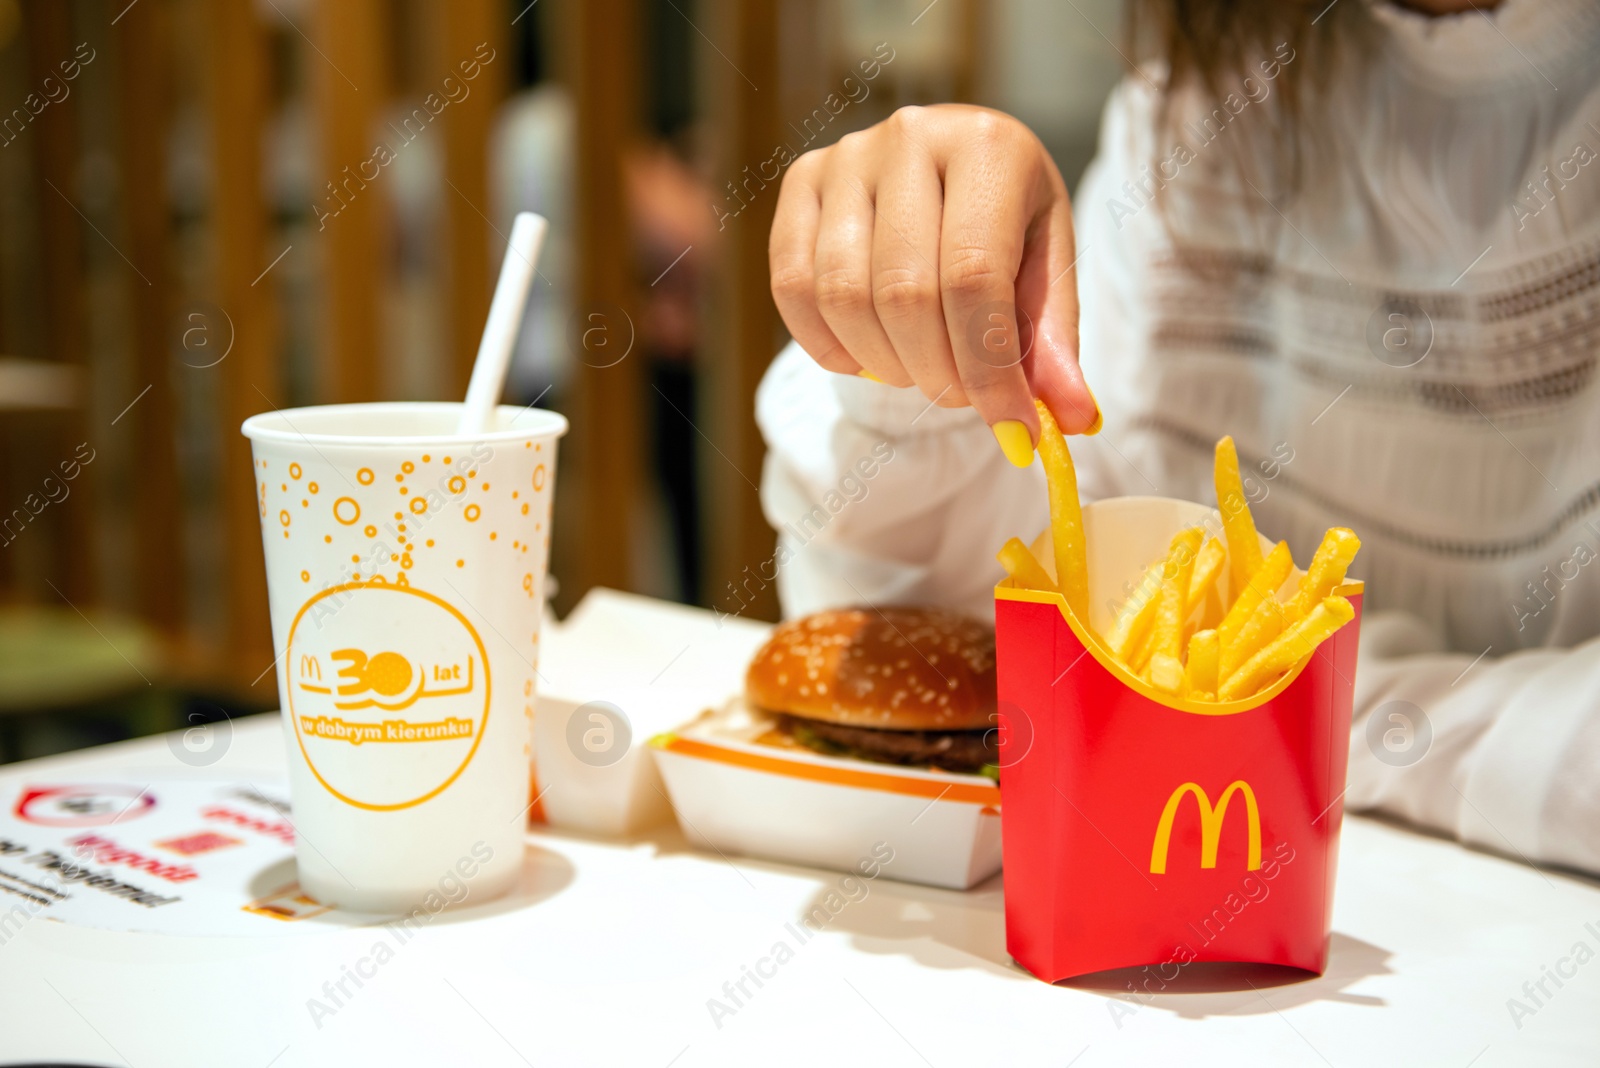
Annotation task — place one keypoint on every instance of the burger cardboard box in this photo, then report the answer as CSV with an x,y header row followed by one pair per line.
x,y
1143,829
619,669
735,794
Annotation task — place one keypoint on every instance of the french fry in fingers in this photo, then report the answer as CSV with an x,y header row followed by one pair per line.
x,y
1338,548
1066,515
1207,566
1287,649
1021,565
1201,671
1244,545
1264,625
1263,584
1133,618
1166,635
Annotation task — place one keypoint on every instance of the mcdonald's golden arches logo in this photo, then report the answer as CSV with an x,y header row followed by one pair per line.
x,y
1211,820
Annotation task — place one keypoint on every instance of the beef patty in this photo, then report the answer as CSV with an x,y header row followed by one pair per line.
x,y
962,751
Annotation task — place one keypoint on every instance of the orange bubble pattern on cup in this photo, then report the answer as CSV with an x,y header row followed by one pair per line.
x,y
428,491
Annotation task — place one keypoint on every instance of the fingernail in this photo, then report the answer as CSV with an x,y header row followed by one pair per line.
x,y
1099,416
1014,441
870,377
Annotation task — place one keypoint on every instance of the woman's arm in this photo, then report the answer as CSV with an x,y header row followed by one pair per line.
x,y
1501,753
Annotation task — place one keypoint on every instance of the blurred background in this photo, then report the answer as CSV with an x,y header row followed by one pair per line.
x,y
210,208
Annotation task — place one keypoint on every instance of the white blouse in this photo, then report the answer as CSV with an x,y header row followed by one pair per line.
x,y
1407,346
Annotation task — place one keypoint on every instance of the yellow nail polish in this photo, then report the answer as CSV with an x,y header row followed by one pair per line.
x,y
1099,416
870,377
1014,441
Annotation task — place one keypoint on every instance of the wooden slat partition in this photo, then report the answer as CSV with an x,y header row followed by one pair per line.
x,y
144,63
742,328
10,435
972,40
252,380
459,29
348,89
604,450
48,28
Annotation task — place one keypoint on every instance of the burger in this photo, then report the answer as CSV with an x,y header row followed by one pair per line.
x,y
908,686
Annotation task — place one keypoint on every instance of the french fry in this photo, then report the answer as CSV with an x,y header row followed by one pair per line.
x,y
1263,583
1287,649
1264,625
1139,658
1181,630
1338,548
1066,515
1043,549
1201,671
1166,673
1023,568
1206,569
1244,545
1166,630
1133,618
1211,615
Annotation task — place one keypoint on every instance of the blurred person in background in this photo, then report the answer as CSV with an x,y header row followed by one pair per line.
x,y
533,156
1361,237
672,235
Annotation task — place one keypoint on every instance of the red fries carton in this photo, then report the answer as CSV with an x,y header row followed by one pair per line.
x,y
1145,829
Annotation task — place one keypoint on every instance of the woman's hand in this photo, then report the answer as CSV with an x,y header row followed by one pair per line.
x,y
909,251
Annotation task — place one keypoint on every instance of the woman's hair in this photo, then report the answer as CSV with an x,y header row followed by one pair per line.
x,y
1214,45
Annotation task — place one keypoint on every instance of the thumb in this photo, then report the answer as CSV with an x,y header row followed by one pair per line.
x,y
1047,295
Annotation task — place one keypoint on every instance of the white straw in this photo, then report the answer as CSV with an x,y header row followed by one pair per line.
x,y
505,319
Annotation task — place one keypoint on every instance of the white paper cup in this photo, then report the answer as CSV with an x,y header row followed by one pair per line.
x,y
405,574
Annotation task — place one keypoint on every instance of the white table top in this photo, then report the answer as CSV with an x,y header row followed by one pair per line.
x,y
612,955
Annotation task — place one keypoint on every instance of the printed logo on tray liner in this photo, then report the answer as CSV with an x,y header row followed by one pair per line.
x,y
82,806
1211,820
206,857
388,692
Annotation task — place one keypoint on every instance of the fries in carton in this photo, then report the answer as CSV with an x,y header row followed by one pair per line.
x,y
1170,794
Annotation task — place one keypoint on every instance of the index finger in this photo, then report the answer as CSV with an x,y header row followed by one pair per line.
x,y
1047,294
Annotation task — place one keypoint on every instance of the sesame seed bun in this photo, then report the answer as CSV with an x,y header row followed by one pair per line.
x,y
916,669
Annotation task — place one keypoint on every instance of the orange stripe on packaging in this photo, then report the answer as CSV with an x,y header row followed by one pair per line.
x,y
838,775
